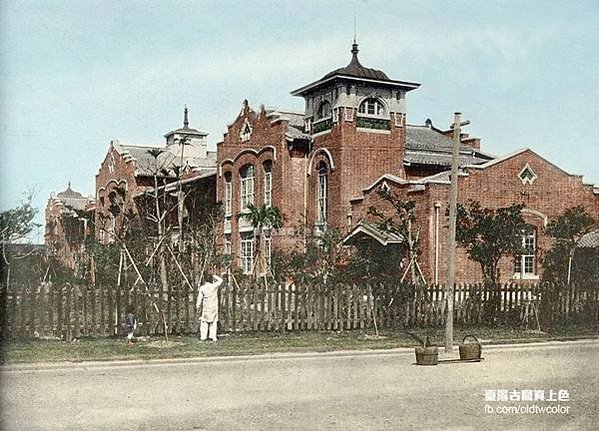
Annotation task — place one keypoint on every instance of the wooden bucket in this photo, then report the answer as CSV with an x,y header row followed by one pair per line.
x,y
471,350
427,356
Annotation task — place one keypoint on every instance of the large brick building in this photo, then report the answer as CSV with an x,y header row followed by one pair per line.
x,y
67,225
129,171
322,168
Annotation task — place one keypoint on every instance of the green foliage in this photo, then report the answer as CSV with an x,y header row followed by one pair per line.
x,y
263,217
563,261
489,234
387,260
320,262
16,223
374,263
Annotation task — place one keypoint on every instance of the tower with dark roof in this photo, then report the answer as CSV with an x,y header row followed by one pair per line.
x,y
356,118
195,140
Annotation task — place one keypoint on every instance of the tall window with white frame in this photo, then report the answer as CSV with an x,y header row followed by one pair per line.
x,y
322,196
247,174
524,266
246,252
228,195
267,183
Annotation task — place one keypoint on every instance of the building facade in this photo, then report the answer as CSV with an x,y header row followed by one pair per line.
x,y
68,216
321,168
128,172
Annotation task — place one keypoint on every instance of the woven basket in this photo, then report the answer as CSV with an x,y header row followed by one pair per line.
x,y
427,356
471,350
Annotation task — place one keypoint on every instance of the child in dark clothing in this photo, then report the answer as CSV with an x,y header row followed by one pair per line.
x,y
131,324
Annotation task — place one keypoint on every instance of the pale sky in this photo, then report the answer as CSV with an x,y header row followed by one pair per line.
x,y
76,74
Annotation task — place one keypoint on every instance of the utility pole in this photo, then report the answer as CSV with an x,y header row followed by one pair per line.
x,y
453,203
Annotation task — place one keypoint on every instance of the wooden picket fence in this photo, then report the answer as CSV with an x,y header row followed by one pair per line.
x,y
73,311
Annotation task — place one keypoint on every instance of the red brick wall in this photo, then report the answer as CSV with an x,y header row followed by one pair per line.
x,y
106,182
360,158
553,192
267,143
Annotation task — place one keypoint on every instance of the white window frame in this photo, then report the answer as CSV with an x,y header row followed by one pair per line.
x,y
378,108
527,180
228,195
322,192
524,265
267,183
247,177
246,252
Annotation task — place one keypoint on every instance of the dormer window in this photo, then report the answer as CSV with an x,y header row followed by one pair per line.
x,y
527,175
246,131
372,106
324,110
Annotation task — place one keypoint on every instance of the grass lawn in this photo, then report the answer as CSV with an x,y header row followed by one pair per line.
x,y
86,349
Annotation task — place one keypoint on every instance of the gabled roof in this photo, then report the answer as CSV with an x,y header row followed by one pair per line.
x,y
147,164
590,240
369,230
498,160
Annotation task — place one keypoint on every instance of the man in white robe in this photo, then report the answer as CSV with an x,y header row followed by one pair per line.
x,y
208,301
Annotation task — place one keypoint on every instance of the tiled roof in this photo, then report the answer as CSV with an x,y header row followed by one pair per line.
x,y
425,138
147,164
295,119
72,199
186,131
440,159
429,147
590,240
69,193
371,230
74,203
295,133
355,69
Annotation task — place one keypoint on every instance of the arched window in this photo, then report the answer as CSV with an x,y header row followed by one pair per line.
x,y
372,106
322,194
228,194
524,265
324,110
267,165
247,174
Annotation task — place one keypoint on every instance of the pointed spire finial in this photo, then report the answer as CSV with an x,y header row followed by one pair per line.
x,y
185,118
69,185
354,47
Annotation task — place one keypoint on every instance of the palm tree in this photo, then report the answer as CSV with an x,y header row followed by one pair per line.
x,y
262,218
